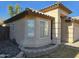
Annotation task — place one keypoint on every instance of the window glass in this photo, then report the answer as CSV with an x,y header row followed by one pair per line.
x,y
46,28
30,27
43,28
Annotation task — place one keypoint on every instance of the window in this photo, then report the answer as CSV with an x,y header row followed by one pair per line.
x,y
46,28
30,27
43,28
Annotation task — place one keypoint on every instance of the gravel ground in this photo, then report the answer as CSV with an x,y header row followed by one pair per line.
x,y
7,47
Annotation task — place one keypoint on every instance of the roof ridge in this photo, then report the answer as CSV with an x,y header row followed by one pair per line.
x,y
55,4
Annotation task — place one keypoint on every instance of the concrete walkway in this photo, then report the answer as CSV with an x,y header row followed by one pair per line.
x,y
75,44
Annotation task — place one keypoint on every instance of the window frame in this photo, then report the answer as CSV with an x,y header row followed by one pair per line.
x,y
33,28
44,35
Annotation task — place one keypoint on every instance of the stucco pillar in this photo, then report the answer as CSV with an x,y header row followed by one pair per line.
x,y
70,35
57,28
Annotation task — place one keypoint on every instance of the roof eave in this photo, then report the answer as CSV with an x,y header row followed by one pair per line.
x,y
27,12
52,7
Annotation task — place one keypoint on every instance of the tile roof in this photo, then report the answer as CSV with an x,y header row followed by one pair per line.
x,y
54,6
27,11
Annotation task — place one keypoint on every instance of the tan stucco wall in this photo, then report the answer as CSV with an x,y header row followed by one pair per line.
x,y
63,12
45,40
70,34
60,28
37,41
76,31
56,25
20,32
32,41
66,31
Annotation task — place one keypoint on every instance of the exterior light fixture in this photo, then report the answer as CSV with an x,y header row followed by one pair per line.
x,y
3,25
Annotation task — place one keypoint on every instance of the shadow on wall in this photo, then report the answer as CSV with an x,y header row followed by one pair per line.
x,y
65,30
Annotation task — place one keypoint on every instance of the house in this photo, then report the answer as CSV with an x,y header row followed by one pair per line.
x,y
36,22
51,25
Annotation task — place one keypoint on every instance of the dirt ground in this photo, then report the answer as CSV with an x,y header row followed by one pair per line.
x,y
63,51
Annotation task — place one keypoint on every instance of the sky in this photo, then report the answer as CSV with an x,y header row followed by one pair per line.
x,y
37,5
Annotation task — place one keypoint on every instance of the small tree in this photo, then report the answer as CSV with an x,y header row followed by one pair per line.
x,y
10,9
13,10
17,9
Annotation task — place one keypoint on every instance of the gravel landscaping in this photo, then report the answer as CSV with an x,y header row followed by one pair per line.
x,y
8,48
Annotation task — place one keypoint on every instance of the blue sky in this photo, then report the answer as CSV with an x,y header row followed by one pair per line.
x,y
72,5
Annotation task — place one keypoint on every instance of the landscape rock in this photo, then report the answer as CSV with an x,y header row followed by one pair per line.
x,y
7,47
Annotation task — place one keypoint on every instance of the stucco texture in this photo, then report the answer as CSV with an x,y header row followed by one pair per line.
x,y
20,32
